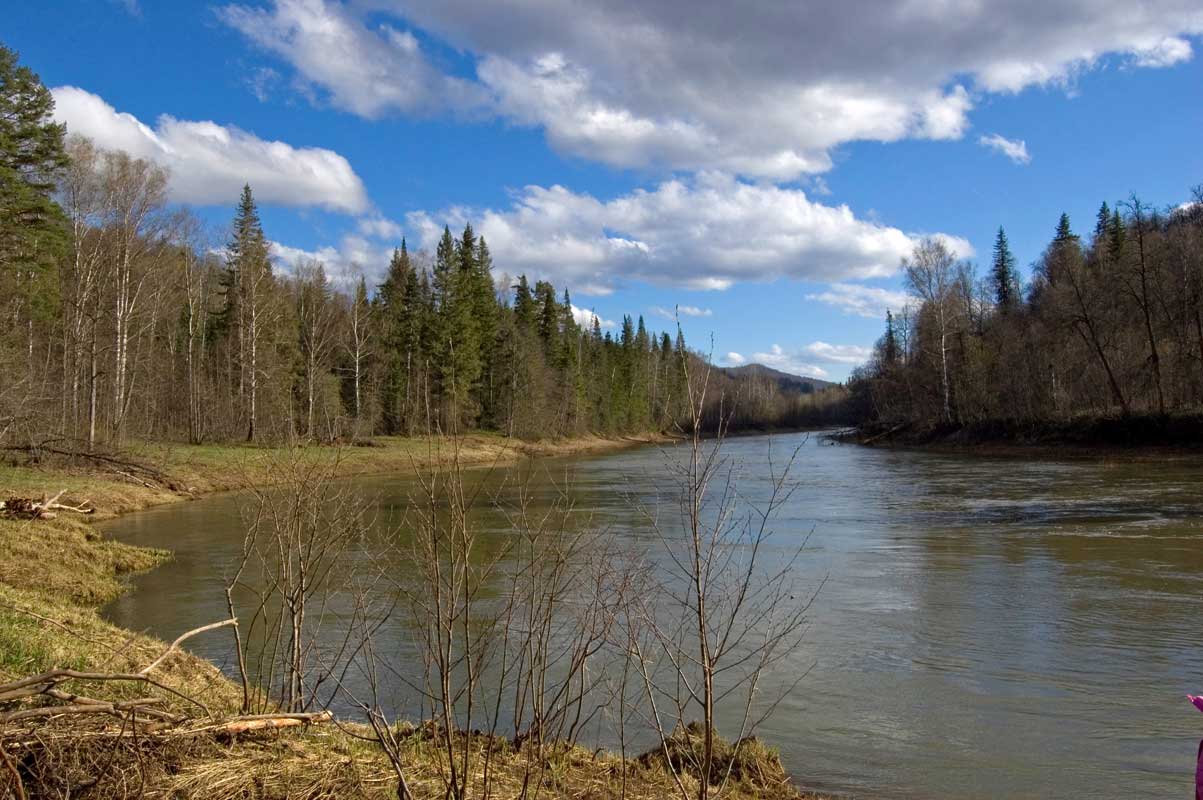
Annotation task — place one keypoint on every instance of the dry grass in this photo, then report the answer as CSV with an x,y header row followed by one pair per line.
x,y
334,763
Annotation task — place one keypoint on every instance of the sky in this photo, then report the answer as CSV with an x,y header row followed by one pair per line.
x,y
756,170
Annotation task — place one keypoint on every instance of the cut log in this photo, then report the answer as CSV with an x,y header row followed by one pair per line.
x,y
272,722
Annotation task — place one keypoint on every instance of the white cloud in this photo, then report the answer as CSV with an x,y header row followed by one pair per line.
x,y
735,359
369,72
261,81
1014,149
684,311
379,227
862,301
1164,53
768,91
209,163
584,317
344,264
837,353
702,233
792,363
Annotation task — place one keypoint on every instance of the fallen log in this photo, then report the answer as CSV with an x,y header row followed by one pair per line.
x,y
261,722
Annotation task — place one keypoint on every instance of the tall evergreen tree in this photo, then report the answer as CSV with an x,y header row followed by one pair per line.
x,y
1102,227
33,233
455,350
889,345
1003,273
250,311
397,298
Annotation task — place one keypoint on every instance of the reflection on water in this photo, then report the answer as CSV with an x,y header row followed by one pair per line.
x,y
989,627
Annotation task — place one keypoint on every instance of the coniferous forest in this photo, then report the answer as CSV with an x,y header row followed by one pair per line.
x,y
127,319
1110,327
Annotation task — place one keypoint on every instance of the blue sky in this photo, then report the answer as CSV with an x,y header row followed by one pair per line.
x,y
766,170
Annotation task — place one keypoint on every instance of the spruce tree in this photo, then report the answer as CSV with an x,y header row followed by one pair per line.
x,y
1065,250
395,299
250,304
33,230
1119,230
524,304
455,350
1003,274
889,345
1102,227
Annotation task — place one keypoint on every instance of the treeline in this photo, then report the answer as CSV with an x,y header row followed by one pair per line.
x,y
124,319
1110,325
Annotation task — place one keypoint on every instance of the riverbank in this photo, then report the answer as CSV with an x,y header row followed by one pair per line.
x,y
56,573
1133,438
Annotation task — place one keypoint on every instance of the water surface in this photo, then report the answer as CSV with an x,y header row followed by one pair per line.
x,y
989,628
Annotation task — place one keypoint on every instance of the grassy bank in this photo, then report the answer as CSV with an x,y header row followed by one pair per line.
x,y
55,573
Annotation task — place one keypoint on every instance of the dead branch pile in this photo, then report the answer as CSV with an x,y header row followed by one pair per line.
x,y
60,741
46,508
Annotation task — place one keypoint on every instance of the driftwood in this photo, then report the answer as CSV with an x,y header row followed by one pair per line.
x,y
155,720
28,508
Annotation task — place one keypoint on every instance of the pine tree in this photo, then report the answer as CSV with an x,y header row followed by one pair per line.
x,y
1003,274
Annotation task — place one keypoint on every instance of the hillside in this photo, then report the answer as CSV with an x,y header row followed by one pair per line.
x,y
786,381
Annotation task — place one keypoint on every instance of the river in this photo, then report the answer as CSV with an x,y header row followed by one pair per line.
x,y
988,628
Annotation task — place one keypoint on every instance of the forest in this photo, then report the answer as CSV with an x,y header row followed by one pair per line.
x,y
1110,327
126,318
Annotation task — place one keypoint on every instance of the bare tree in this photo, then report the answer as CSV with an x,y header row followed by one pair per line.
x,y
724,611
931,275
315,323
293,567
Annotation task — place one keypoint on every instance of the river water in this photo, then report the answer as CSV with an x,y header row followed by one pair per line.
x,y
988,628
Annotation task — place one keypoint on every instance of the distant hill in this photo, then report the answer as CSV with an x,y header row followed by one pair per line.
x,y
786,382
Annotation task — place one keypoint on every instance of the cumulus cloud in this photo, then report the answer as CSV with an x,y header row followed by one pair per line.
x,y
684,311
862,301
585,317
209,163
379,227
1014,149
367,71
837,353
767,92
706,232
736,359
354,257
